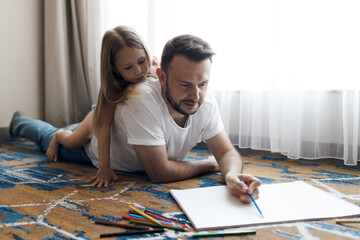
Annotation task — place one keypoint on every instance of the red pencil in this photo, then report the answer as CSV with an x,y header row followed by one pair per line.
x,y
166,219
143,220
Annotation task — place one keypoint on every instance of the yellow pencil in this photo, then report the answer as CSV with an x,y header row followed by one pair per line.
x,y
145,215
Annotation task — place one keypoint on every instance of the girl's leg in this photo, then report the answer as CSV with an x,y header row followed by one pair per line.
x,y
53,150
41,133
70,139
38,131
78,137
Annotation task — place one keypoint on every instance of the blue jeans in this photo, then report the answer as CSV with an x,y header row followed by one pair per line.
x,y
41,133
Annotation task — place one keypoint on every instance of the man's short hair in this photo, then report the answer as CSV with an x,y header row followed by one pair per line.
x,y
191,47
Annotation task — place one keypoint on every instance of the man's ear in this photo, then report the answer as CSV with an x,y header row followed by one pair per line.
x,y
161,75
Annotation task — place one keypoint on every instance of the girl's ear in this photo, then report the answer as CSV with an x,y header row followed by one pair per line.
x,y
115,70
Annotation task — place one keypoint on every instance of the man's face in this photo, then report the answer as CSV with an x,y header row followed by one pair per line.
x,y
185,86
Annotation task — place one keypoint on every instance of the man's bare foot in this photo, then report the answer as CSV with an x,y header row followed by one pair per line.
x,y
53,151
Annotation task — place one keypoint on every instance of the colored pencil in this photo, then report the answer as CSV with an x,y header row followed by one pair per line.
x,y
131,218
134,214
348,221
165,218
141,218
253,200
144,215
158,226
157,218
131,233
148,221
160,220
220,234
123,225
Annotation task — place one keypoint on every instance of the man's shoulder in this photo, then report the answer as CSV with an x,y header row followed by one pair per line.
x,y
146,94
150,85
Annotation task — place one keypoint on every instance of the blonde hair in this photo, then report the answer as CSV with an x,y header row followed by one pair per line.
x,y
114,89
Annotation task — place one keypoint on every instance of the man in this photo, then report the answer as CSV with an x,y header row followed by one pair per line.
x,y
166,118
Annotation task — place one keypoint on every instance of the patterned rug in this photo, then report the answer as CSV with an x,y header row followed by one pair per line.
x,y
46,200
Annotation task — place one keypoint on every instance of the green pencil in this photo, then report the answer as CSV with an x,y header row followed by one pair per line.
x,y
219,234
157,225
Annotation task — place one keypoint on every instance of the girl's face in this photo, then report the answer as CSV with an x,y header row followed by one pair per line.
x,y
132,64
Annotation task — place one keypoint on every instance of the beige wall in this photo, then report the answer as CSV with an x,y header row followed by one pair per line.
x,y
21,58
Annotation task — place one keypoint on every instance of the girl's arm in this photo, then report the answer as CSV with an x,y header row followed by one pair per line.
x,y
104,174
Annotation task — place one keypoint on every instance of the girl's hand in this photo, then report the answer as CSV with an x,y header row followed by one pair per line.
x,y
152,72
103,177
155,62
154,65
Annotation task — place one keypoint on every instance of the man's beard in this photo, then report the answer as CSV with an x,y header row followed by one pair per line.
x,y
176,106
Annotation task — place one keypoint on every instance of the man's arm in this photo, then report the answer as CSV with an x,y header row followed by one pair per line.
x,y
160,169
231,168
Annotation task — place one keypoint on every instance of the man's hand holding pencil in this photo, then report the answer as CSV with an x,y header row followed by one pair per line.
x,y
242,189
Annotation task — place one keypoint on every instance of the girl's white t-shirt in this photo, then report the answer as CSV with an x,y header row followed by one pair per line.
x,y
145,120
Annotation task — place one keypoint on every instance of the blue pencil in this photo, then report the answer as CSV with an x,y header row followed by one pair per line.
x,y
161,221
134,214
253,200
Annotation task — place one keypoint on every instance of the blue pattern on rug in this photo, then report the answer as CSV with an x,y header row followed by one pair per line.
x,y
46,200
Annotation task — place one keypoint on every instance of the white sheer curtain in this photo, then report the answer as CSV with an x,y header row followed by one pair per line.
x,y
297,123
286,74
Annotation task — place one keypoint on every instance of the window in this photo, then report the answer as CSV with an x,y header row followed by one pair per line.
x,y
265,44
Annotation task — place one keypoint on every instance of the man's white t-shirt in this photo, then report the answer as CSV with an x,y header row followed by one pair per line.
x,y
145,120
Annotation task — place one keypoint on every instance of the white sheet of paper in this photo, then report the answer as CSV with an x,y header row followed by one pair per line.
x,y
215,207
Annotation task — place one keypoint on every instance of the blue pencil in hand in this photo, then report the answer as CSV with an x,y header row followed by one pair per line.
x,y
253,200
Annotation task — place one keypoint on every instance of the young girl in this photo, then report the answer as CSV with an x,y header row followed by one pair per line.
x,y
125,61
